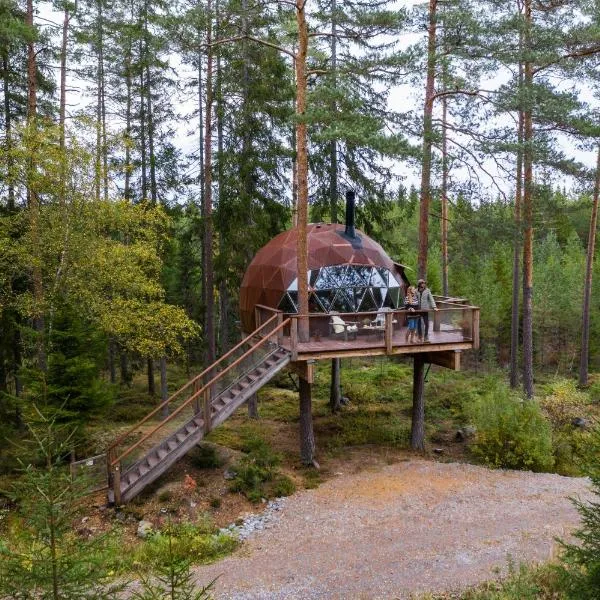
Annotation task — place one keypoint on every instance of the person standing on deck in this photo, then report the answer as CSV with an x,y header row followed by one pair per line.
x,y
426,302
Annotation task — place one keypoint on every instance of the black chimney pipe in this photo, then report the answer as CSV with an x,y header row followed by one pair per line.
x,y
350,214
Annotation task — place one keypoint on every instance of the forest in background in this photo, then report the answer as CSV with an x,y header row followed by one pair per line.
x,y
126,225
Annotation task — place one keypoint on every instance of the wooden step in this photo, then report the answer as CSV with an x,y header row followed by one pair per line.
x,y
164,454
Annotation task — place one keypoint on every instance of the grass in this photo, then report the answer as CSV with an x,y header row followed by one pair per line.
x,y
521,583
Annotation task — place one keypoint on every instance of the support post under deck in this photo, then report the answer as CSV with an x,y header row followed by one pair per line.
x,y
417,432
307,438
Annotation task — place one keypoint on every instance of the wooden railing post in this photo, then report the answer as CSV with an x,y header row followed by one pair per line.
x,y
389,331
116,479
206,408
280,332
294,337
437,320
256,317
195,389
475,327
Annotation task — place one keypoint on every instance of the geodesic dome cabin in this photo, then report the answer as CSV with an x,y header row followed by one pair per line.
x,y
348,272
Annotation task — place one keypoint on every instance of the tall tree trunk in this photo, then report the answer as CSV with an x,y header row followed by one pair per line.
x,y
151,152
333,157
587,293
528,214
124,368
39,323
514,326
444,198
112,354
164,389
101,142
427,142
307,438
223,226
335,391
8,130
417,432
128,138
150,376
302,160
144,162
208,289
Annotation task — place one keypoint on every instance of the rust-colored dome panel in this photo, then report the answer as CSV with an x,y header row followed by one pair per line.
x,y
273,269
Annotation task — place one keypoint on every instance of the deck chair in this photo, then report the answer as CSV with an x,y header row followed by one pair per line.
x,y
339,327
380,320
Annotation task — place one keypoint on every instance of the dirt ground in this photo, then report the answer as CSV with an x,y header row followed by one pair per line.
x,y
398,530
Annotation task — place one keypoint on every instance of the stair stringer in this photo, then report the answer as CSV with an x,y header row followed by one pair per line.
x,y
154,472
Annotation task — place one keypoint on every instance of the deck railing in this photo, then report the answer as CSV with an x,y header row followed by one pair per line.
x,y
194,398
455,321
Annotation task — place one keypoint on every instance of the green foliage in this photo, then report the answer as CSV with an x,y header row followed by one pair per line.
x,y
511,433
521,583
256,474
204,456
180,543
42,557
172,578
580,568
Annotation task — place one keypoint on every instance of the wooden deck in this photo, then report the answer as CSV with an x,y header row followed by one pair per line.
x,y
373,343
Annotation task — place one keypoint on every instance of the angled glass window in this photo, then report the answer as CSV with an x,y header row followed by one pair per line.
x,y
326,298
368,303
347,288
286,305
343,302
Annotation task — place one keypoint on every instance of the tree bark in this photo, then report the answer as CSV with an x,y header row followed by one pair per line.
x,y
333,157
302,160
112,368
417,432
124,368
164,388
8,131
514,326
444,198
425,199
587,293
150,115
144,162
150,376
39,322
128,85
528,215
307,438
335,392
209,301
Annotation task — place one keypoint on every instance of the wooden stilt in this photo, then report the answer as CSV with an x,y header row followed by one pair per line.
x,y
307,438
253,406
335,394
417,433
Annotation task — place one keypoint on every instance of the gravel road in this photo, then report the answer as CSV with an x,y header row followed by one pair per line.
x,y
402,529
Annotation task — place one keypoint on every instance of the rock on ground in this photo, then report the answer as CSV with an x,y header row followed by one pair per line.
x,y
404,529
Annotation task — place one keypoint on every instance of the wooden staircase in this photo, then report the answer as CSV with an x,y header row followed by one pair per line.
x,y
194,410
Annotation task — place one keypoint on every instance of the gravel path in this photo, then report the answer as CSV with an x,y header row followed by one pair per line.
x,y
406,528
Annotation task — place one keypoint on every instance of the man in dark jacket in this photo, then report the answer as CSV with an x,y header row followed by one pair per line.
x,y
426,302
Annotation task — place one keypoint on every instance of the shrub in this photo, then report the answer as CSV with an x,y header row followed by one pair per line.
x,y
282,486
580,567
183,542
564,403
205,457
255,470
511,433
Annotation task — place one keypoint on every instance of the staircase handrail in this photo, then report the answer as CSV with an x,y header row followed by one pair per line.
x,y
194,396
185,387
